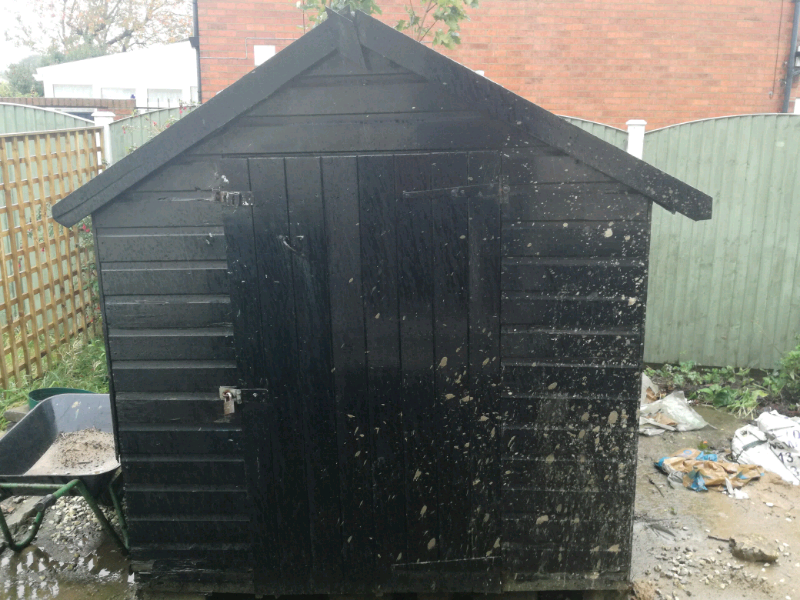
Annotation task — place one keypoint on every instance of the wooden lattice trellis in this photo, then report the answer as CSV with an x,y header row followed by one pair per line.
x,y
47,270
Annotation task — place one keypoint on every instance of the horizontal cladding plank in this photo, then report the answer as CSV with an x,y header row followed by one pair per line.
x,y
521,377
573,346
566,505
575,277
605,531
571,312
161,244
186,470
561,409
143,502
575,201
213,343
167,311
628,239
552,442
158,209
364,95
201,277
198,174
172,376
177,557
568,474
180,441
524,166
408,132
157,410
197,531
554,560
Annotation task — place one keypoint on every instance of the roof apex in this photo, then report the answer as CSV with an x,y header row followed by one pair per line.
x,y
348,36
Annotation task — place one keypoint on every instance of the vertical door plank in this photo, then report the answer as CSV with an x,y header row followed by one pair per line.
x,y
314,367
340,190
415,299
285,425
379,282
451,329
243,274
484,350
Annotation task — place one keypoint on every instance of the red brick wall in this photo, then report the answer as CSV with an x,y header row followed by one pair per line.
x,y
665,61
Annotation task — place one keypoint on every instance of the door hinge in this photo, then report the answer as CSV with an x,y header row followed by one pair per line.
x,y
231,198
230,398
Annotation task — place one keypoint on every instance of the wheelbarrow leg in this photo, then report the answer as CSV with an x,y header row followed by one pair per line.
x,y
19,546
50,499
102,518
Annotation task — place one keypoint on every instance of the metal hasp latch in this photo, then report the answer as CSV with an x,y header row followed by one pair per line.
x,y
232,198
230,398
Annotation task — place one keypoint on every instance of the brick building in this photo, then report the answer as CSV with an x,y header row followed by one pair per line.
x,y
666,61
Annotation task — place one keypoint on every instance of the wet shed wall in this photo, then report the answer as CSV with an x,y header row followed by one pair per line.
x,y
575,247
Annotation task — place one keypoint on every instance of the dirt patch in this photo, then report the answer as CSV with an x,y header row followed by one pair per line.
x,y
83,452
673,549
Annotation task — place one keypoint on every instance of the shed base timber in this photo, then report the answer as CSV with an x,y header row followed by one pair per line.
x,y
525,587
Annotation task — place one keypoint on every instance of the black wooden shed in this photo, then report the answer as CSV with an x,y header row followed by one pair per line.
x,y
430,293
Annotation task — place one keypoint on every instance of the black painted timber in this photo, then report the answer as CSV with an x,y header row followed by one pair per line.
x,y
434,306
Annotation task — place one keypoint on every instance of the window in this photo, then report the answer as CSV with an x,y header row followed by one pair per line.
x,y
117,93
163,98
262,54
65,90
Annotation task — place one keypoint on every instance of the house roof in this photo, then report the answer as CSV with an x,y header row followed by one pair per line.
x,y
348,36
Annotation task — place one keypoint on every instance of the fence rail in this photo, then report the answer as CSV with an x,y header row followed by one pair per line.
x,y
45,293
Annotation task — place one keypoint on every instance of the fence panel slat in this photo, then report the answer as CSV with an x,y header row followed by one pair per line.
x,y
727,291
46,268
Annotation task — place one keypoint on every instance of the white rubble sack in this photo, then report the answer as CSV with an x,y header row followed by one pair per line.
x,y
676,408
772,443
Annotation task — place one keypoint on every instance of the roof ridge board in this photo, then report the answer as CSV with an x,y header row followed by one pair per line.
x,y
211,116
500,103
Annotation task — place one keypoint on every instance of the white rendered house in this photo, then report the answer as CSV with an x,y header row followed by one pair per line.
x,y
158,77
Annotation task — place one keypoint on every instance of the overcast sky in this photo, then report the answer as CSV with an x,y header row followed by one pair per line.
x,y
8,52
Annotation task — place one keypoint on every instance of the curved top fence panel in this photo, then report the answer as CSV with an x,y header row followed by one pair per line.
x,y
727,291
18,118
612,135
132,132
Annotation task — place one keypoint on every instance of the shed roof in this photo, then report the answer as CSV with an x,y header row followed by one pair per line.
x,y
348,36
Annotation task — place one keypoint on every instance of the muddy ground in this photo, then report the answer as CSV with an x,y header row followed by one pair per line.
x,y
673,525
673,555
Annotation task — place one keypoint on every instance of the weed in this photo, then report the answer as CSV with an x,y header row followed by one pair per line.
x,y
76,364
735,390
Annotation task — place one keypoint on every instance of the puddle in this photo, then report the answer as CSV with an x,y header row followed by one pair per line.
x,y
45,570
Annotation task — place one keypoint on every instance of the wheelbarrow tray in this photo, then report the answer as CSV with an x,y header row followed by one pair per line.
x,y
29,439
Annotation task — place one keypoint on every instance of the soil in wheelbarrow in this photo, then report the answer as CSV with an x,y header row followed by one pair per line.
x,y
86,451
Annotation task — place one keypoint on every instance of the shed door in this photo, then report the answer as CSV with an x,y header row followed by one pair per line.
x,y
367,305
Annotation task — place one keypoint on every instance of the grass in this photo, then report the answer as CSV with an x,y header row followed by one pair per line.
x,y
735,390
76,364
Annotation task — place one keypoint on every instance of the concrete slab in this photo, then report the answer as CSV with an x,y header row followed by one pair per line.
x,y
15,413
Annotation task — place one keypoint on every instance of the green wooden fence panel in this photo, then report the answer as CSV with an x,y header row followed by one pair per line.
x,y
132,132
727,291
612,135
18,118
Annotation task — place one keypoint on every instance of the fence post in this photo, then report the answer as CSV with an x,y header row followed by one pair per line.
x,y
104,119
636,137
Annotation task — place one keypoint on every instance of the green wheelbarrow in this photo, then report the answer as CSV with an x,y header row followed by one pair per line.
x,y
24,465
